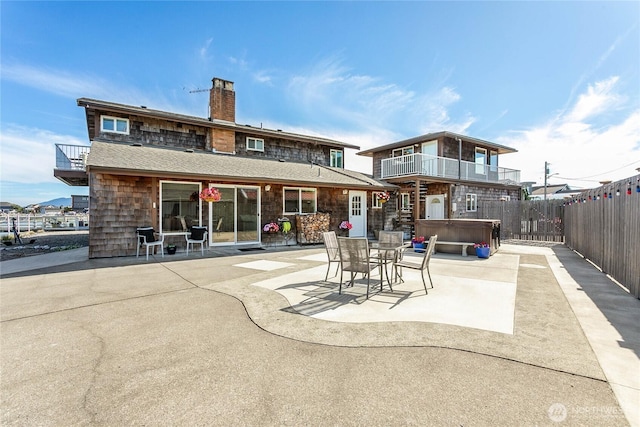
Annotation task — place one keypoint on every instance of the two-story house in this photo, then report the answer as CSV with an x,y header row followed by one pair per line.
x,y
148,167
443,175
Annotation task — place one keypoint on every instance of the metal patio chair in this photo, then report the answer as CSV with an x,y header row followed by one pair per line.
x,y
422,266
333,253
355,258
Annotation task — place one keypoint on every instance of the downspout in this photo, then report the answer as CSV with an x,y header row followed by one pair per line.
x,y
459,158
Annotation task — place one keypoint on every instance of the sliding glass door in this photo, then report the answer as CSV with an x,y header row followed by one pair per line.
x,y
235,218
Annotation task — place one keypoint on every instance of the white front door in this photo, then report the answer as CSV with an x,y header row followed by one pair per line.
x,y
358,213
434,207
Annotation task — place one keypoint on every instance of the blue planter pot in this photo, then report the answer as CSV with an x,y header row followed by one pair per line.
x,y
419,247
483,252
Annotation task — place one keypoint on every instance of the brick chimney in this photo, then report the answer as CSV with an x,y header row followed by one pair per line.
x,y
222,106
222,100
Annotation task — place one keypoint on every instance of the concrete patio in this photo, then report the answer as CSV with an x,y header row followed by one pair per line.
x,y
532,335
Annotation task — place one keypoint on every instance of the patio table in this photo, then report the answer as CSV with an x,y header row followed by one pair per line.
x,y
384,250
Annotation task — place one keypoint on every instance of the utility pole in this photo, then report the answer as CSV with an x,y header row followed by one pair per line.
x,y
546,203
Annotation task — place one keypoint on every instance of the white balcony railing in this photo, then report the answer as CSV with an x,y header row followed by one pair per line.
x,y
446,168
71,157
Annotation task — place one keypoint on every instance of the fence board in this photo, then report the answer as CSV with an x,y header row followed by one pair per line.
x,y
526,220
606,231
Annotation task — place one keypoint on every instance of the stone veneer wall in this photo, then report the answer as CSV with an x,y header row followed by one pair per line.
x,y
119,204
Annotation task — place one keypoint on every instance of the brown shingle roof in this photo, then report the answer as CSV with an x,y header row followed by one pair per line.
x,y
94,104
160,161
501,149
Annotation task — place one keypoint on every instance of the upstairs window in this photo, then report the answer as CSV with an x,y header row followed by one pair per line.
x,y
402,151
336,159
114,125
481,161
493,161
255,144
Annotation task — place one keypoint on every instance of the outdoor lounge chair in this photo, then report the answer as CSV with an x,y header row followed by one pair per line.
x,y
198,235
333,253
146,236
355,258
422,266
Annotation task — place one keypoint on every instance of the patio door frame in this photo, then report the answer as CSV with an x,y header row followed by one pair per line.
x,y
212,226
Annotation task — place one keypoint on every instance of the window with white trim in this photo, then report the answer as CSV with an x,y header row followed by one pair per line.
x,y
472,202
180,206
493,161
376,202
336,158
481,161
405,202
299,200
255,144
114,125
402,151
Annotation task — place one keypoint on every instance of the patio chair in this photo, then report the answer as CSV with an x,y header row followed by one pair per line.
x,y
333,253
146,236
355,258
422,266
391,239
198,235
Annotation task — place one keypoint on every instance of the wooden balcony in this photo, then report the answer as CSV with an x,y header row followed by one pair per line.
x,y
451,170
71,164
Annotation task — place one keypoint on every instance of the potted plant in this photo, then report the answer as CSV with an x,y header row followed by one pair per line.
x,y
418,244
210,195
345,226
171,249
383,196
482,249
271,227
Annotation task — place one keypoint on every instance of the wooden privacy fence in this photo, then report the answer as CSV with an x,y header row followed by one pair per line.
x,y
603,225
526,219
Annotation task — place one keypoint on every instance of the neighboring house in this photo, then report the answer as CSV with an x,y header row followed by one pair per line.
x,y
442,175
554,192
147,167
79,203
6,207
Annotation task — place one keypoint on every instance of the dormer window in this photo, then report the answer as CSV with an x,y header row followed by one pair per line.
x,y
255,144
114,125
336,158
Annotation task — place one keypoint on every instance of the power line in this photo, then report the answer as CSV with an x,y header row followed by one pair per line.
x,y
586,178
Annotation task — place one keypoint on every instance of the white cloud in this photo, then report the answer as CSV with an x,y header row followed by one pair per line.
x,y
262,77
329,92
28,154
598,98
77,85
580,153
204,50
58,82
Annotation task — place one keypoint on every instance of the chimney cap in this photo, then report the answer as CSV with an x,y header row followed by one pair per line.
x,y
222,83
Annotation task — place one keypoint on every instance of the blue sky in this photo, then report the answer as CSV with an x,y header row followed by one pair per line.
x,y
558,81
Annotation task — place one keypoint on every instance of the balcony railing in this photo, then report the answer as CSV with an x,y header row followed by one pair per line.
x,y
446,168
71,157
